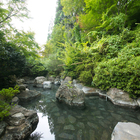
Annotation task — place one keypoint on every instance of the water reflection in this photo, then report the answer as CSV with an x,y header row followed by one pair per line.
x,y
95,122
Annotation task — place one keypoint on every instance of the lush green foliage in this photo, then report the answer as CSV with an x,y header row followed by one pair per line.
x,y
5,98
98,40
4,109
7,94
17,48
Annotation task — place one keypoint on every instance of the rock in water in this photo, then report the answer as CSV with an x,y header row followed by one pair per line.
x,y
47,85
38,82
126,131
28,95
70,95
19,125
119,97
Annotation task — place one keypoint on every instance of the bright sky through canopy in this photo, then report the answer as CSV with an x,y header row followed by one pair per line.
x,y
42,13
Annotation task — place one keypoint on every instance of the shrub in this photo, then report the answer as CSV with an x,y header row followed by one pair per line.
x,y
4,109
7,94
122,72
5,98
86,77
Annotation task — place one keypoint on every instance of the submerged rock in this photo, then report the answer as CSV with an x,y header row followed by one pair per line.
x,y
69,127
71,119
119,97
19,125
126,131
70,95
66,136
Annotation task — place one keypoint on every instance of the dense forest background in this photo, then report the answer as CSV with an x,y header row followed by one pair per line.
x,y
94,41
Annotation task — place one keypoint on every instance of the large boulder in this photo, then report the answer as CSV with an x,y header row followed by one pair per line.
x,y
51,78
38,82
19,125
70,95
28,95
47,85
126,131
119,97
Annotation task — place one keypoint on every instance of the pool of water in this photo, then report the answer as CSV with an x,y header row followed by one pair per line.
x,y
58,121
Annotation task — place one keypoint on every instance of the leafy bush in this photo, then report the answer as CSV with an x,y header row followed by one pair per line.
x,y
122,72
7,94
5,98
72,74
11,63
86,77
4,109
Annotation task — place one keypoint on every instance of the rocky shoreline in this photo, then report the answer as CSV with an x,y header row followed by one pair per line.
x,y
22,122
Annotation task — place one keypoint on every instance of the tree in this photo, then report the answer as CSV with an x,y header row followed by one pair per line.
x,y
26,43
12,8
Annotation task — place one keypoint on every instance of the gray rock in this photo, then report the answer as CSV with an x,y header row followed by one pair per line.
x,y
90,91
16,119
8,137
119,97
66,136
79,85
70,95
69,127
57,81
126,131
67,79
15,100
71,119
75,81
22,87
138,101
47,85
20,81
2,127
51,79
28,95
38,82
21,123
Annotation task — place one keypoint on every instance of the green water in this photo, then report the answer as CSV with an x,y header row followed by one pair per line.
x,y
57,121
